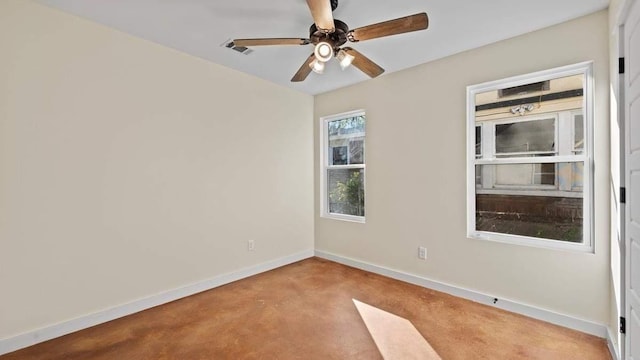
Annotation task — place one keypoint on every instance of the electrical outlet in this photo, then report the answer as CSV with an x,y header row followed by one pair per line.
x,y
251,245
422,252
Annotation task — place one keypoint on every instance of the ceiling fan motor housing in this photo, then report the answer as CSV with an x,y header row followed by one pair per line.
x,y
337,38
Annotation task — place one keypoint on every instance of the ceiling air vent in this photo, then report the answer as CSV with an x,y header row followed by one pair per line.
x,y
241,49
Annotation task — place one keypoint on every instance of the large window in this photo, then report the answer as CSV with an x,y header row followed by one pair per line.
x,y
343,166
529,159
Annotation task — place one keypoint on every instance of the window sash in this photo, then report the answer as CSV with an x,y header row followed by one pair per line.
x,y
351,166
512,154
562,123
347,206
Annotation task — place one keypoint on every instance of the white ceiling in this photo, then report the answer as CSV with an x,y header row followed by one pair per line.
x,y
200,27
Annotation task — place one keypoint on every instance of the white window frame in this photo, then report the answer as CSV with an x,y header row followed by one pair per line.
x,y
324,166
584,68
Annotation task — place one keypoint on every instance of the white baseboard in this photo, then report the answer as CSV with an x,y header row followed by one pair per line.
x,y
505,304
47,333
613,349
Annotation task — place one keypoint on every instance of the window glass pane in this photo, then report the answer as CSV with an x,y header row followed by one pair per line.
x,y
577,175
526,137
547,213
578,133
523,174
346,191
346,141
356,152
478,141
338,154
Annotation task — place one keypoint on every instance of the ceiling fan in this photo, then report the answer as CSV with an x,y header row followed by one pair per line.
x,y
328,35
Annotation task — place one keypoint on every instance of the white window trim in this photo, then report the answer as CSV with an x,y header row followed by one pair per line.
x,y
584,68
324,158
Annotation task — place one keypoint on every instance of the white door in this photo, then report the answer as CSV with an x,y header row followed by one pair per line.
x,y
632,177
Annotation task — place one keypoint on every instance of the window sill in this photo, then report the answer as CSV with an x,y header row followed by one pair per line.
x,y
342,217
532,242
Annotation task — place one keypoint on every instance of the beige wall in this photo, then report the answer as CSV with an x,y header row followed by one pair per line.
x,y
416,167
129,169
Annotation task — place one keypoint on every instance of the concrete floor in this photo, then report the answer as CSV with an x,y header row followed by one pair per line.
x,y
305,311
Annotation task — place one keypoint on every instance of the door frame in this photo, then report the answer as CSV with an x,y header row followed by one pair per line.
x,y
621,19
620,85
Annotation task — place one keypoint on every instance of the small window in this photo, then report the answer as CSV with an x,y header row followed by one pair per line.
x,y
339,155
343,166
529,160
524,89
578,133
526,138
478,141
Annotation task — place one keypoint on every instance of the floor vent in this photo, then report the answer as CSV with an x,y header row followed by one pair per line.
x,y
241,49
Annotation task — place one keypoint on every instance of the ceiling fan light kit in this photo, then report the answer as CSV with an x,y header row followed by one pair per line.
x,y
323,51
317,66
344,58
328,35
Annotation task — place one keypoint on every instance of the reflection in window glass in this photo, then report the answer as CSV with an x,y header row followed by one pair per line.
x,y
526,137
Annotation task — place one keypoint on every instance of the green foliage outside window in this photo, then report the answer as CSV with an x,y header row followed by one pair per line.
x,y
349,195
347,126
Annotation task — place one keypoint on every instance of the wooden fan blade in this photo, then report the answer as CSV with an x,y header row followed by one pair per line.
x,y
322,14
392,27
270,41
364,63
304,70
